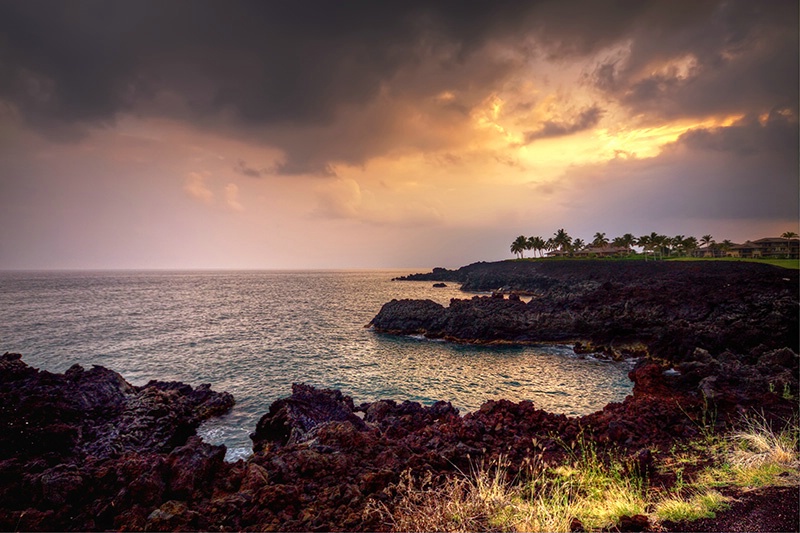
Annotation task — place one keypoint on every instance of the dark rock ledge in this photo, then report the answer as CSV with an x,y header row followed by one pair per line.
x,y
634,308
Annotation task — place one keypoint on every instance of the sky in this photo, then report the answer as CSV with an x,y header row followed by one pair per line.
x,y
314,134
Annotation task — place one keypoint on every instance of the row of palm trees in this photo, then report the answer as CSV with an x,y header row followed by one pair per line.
x,y
655,245
562,242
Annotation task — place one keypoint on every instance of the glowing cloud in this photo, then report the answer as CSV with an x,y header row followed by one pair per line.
x,y
195,186
232,197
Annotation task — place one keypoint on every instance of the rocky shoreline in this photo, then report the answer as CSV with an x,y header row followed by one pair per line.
x,y
85,450
664,310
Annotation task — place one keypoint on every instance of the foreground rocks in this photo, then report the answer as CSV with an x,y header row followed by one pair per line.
x,y
661,309
85,450
321,462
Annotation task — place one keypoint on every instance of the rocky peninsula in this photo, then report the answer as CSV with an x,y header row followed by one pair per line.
x,y
85,450
665,310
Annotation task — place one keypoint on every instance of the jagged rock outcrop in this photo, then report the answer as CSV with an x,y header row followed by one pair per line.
x,y
86,450
407,317
291,420
667,308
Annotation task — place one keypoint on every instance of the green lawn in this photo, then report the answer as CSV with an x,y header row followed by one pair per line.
x,y
783,263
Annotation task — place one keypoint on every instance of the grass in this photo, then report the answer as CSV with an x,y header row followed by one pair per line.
x,y
461,503
793,264
598,489
758,455
700,505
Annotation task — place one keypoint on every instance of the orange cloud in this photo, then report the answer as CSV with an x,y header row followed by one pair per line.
x,y
232,197
195,186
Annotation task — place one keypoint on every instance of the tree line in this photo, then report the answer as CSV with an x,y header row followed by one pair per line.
x,y
654,244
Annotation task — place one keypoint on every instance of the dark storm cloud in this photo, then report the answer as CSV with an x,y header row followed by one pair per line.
x,y
737,57
747,171
778,136
242,168
254,68
265,61
586,119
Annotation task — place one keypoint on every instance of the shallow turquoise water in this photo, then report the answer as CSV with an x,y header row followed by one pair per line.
x,y
253,334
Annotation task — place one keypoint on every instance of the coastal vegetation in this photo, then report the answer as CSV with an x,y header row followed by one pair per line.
x,y
653,246
783,263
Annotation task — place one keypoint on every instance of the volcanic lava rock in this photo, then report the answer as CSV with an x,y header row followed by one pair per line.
x,y
666,309
319,465
407,317
290,420
86,450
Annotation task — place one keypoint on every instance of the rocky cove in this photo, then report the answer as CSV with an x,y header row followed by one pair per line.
x,y
85,450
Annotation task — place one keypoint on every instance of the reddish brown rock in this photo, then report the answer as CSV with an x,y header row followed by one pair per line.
x,y
86,450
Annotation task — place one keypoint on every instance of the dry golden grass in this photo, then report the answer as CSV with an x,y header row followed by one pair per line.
x,y
758,444
487,499
699,505
460,503
595,490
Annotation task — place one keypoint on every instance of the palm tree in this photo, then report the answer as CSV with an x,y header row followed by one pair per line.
x,y
549,244
660,243
708,242
690,244
562,240
646,243
578,245
600,240
530,245
628,240
789,235
677,244
725,245
539,244
625,241
518,246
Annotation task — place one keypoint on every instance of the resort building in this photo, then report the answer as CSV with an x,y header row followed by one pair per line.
x,y
768,247
708,251
604,251
593,251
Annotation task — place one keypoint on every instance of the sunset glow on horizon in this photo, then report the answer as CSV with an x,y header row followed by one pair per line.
x,y
397,134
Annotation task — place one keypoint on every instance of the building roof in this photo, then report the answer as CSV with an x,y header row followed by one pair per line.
x,y
775,240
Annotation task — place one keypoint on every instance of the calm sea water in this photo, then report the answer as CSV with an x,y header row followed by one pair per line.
x,y
253,334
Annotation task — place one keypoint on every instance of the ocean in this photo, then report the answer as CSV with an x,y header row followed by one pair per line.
x,y
254,333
